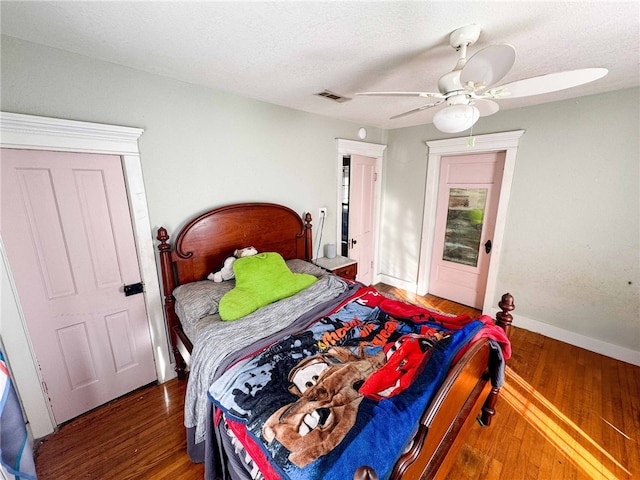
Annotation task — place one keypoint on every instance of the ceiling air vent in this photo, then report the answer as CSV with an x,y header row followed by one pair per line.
x,y
333,96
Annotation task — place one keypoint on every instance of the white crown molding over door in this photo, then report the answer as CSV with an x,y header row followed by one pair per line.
x,y
366,149
494,142
42,133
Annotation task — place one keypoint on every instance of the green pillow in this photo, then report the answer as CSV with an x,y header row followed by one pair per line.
x,y
260,280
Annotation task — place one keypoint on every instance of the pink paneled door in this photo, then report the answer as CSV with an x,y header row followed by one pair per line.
x,y
68,236
468,193
361,207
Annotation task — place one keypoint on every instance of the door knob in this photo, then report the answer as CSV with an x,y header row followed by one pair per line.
x,y
487,246
353,242
133,289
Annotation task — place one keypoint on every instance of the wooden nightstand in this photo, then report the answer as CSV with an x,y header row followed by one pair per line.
x,y
341,266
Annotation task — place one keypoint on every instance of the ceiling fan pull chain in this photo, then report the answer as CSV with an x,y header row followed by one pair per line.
x,y
472,140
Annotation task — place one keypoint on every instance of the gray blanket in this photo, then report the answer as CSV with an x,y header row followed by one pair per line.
x,y
216,339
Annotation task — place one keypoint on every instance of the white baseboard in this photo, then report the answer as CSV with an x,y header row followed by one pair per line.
x,y
576,339
396,282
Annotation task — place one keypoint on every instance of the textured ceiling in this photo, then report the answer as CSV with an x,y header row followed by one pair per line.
x,y
285,52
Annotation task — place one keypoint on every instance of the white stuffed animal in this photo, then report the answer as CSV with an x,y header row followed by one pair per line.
x,y
226,272
245,252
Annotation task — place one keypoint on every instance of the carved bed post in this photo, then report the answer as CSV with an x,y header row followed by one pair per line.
x,y
365,473
488,409
504,320
308,238
168,285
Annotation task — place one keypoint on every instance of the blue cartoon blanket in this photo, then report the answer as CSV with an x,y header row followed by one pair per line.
x,y
316,403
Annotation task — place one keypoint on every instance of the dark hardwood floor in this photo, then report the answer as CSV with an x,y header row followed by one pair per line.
x,y
564,413
138,436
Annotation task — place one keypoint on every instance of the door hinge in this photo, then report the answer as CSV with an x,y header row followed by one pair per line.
x,y
42,382
375,176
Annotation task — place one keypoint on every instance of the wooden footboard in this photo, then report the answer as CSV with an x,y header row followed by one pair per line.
x,y
466,397
451,414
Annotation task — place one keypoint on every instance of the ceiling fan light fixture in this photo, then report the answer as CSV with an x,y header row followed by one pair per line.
x,y
456,118
469,87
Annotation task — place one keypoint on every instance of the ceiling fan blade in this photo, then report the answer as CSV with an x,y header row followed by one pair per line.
x,y
551,82
485,107
402,94
416,110
488,66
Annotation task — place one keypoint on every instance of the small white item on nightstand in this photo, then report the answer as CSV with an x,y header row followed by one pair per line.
x,y
330,250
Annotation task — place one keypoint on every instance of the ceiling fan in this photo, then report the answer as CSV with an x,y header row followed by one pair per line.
x,y
468,90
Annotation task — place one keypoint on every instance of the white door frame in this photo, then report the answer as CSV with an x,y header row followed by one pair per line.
x,y
20,131
494,142
366,149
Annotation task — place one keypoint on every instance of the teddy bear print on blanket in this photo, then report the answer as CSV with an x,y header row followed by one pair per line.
x,y
226,272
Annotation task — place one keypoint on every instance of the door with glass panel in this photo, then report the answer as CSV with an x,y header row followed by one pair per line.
x,y
468,194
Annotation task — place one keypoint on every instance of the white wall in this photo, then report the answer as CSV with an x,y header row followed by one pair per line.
x,y
220,148
201,148
571,250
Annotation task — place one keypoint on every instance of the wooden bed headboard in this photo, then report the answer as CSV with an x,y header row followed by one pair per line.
x,y
208,239
203,244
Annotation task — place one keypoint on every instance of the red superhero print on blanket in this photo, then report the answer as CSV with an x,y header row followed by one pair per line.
x,y
406,358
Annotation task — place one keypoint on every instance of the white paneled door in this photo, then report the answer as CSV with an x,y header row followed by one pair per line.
x,y
361,215
468,194
68,236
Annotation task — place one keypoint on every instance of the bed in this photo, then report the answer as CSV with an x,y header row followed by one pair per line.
x,y
245,423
